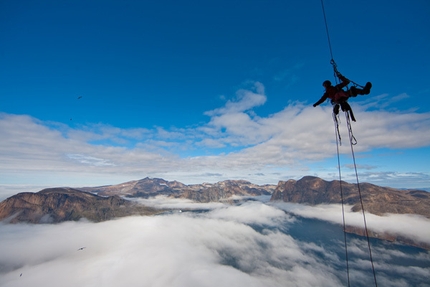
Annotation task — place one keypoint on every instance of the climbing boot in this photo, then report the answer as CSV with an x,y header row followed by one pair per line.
x,y
367,88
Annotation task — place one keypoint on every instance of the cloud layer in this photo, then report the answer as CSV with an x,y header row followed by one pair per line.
x,y
215,248
410,226
234,143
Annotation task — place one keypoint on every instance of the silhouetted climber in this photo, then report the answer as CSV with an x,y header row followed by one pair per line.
x,y
339,97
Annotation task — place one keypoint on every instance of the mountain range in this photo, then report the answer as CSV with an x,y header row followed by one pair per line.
x,y
205,192
107,202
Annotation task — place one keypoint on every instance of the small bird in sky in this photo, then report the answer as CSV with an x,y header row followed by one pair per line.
x,y
80,97
82,248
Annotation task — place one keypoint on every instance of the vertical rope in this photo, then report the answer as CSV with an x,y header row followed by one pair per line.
x,y
352,139
327,32
337,135
332,62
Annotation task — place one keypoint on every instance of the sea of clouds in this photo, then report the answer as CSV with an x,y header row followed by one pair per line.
x,y
220,245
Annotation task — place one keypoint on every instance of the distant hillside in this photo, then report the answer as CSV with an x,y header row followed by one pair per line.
x,y
376,199
205,192
65,204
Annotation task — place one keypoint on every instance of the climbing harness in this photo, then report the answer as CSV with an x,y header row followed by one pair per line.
x,y
352,141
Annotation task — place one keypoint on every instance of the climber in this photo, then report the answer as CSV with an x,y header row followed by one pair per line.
x,y
339,97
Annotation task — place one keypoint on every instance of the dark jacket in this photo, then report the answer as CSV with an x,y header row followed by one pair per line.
x,y
335,93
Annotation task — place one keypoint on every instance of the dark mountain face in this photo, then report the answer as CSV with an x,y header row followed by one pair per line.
x,y
376,199
65,204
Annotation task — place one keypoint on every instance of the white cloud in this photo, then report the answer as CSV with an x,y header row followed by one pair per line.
x,y
235,142
162,202
171,250
89,160
246,214
410,226
216,248
246,100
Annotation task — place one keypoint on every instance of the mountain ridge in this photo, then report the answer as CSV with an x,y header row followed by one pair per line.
x,y
60,204
376,199
53,205
204,192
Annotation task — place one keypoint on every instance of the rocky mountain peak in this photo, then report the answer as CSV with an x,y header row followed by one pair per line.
x,y
63,204
376,199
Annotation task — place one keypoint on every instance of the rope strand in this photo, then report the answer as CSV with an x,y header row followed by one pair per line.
x,y
328,34
352,139
337,135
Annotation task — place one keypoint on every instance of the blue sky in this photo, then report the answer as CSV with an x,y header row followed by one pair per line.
x,y
101,92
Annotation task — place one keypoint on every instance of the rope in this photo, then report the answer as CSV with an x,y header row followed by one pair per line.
x,y
353,142
332,62
352,139
355,84
337,135
327,32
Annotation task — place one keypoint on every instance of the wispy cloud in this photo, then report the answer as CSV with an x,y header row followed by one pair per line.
x,y
234,142
89,160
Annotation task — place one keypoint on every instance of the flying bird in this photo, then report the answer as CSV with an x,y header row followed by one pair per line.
x,y
82,248
80,97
